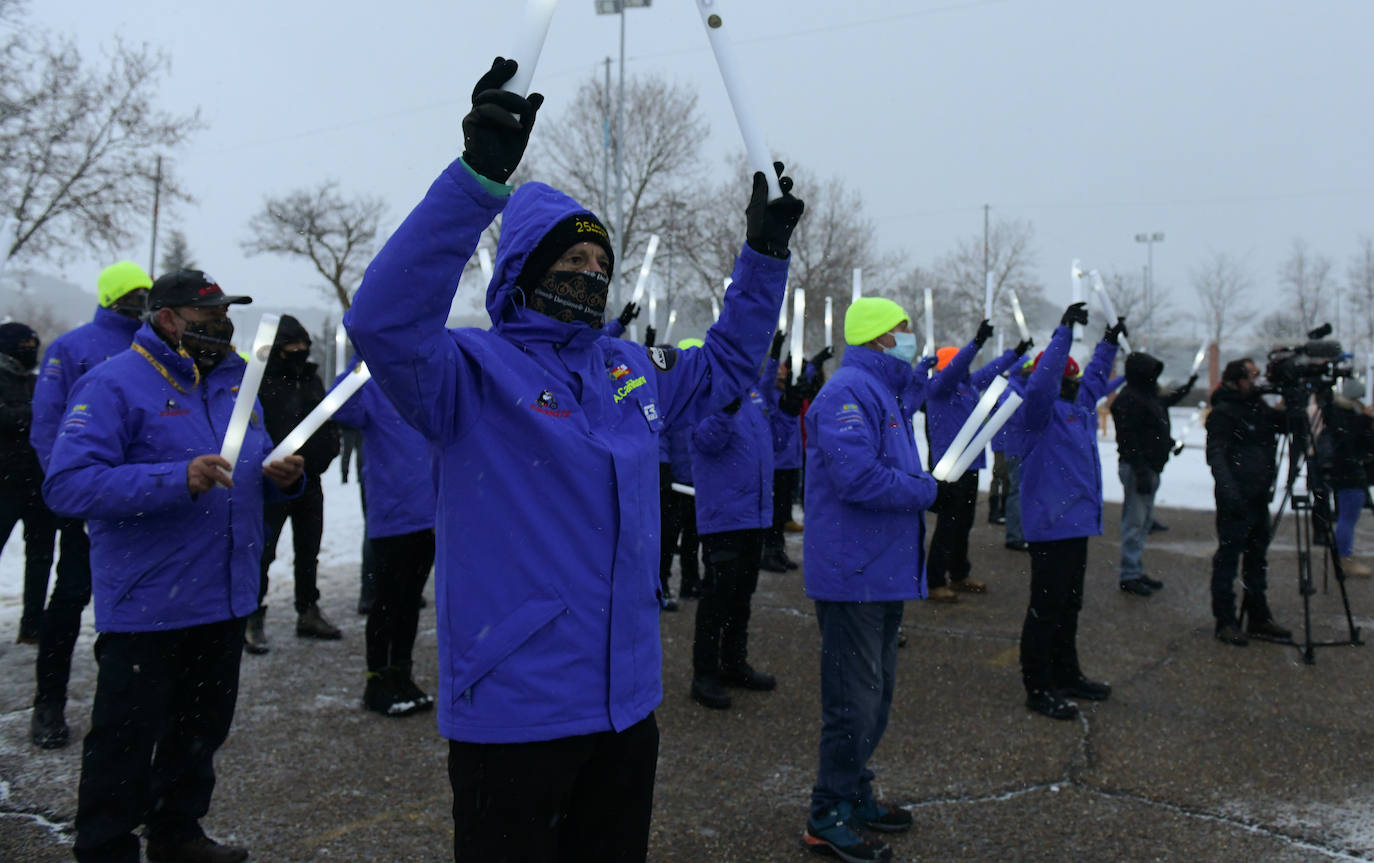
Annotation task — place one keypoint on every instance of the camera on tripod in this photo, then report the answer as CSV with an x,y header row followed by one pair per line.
x,y
1310,367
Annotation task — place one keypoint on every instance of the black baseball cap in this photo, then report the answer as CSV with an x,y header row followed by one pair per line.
x,y
189,288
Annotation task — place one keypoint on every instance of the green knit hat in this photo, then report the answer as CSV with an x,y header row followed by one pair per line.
x,y
690,343
116,280
870,317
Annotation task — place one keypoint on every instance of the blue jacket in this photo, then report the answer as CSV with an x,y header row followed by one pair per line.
x,y
679,441
865,488
398,468
1003,441
160,558
953,394
732,463
70,356
784,427
547,458
1061,471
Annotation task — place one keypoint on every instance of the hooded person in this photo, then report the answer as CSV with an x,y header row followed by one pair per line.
x,y
544,435
122,290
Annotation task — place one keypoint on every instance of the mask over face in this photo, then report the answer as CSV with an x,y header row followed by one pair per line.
x,y
290,363
208,341
1068,389
26,355
904,349
571,297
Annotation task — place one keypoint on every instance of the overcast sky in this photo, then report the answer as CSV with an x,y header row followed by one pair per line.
x,y
1233,125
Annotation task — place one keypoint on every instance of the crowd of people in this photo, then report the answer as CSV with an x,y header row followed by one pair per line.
x,y
550,674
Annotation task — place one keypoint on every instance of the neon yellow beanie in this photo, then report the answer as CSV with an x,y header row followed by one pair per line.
x,y
690,343
116,280
870,317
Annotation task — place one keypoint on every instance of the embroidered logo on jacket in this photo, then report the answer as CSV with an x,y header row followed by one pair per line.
x,y
620,371
663,358
629,387
171,409
546,404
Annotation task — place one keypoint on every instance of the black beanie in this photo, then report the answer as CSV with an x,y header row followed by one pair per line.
x,y
12,334
579,228
290,330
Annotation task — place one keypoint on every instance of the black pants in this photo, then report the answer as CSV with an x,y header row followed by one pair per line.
x,y
307,526
403,564
164,702
677,534
1242,530
62,618
40,529
721,641
956,503
1049,637
572,799
784,489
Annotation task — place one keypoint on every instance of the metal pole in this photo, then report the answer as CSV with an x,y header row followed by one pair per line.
x,y
606,145
157,194
1150,291
985,243
619,174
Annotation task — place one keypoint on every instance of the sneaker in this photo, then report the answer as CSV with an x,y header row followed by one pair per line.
x,y
1082,687
968,585
408,688
254,636
202,849
793,527
1267,630
1137,586
1051,704
773,561
849,843
312,624
746,677
1151,583
1353,568
48,727
942,594
1156,527
385,694
1017,545
882,817
708,692
1229,633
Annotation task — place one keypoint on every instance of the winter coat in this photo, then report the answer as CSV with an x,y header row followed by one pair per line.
x,y
679,442
286,399
1061,472
865,488
952,395
19,468
732,463
547,459
1242,445
1141,415
783,423
160,557
1350,439
70,356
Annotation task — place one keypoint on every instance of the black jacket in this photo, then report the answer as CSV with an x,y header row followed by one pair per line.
x,y
1348,444
19,468
1242,442
1141,415
286,399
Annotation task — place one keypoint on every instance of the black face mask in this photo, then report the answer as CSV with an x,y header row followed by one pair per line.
x,y
571,297
290,363
208,341
26,356
1068,389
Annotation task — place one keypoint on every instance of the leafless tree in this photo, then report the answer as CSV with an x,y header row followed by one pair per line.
x,y
960,284
1305,281
336,234
1223,288
1359,290
177,255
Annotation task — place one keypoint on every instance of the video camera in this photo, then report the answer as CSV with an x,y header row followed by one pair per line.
x,y
1310,367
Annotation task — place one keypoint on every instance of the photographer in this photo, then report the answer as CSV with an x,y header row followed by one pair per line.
x,y
1242,442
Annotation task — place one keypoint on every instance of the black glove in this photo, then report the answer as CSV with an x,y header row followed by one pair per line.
x,y
984,332
1023,346
1075,314
629,313
649,334
769,224
733,406
1192,382
494,137
1146,480
775,352
1114,333
825,353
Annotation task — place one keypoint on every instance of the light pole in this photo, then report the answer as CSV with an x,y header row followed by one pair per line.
x,y
1149,240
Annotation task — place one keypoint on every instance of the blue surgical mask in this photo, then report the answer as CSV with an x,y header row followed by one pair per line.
x,y
904,349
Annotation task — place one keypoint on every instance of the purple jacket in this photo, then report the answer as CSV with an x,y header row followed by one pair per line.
x,y
732,463
952,395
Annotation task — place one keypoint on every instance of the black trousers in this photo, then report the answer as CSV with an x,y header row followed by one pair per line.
x,y
40,529
164,702
956,503
307,527
677,534
721,640
572,799
403,564
784,489
1049,636
1242,530
62,618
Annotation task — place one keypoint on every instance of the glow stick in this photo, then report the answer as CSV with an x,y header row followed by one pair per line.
x,y
653,306
715,309
645,267
484,262
1200,356
1188,427
991,428
930,323
1018,314
754,144
248,391
684,489
538,14
1076,273
829,322
798,323
668,330
1108,308
320,414
340,349
969,428
987,298
858,284
782,310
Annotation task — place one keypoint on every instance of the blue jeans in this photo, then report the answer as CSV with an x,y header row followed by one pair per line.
x,y
1014,499
1349,502
858,673
1137,512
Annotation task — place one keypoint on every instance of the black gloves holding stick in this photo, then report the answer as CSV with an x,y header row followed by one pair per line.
x,y
769,224
1114,333
775,352
629,313
1023,346
984,332
1075,314
649,335
824,354
498,127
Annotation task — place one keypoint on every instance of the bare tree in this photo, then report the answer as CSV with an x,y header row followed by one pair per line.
x,y
1222,287
1359,290
177,255
337,235
77,144
960,283
1305,280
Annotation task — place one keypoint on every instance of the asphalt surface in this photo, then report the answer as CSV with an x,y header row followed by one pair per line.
x,y
1204,752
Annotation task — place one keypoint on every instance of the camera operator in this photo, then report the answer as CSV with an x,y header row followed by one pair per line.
x,y
1242,442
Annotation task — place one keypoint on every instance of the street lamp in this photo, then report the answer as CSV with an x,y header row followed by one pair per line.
x,y
1149,240
618,7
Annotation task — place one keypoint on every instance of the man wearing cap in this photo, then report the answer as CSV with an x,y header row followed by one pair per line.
x,y
122,289
865,497
951,396
176,539
545,441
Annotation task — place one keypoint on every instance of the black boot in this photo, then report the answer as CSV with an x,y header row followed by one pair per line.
x,y
254,636
997,509
48,727
708,692
773,560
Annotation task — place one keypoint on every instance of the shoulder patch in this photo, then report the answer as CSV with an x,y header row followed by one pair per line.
x,y
663,358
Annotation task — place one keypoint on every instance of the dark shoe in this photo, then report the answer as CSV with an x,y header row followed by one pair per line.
x,y
1156,527
312,624
202,849
690,591
901,637
1051,704
1151,583
773,561
667,602
882,817
708,692
746,677
1137,586
1017,545
1082,687
968,585
791,564
26,638
1267,630
845,841
254,636
385,693
942,594
1229,633
48,727
407,687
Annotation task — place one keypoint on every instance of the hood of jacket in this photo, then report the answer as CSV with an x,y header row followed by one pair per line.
x,y
1142,371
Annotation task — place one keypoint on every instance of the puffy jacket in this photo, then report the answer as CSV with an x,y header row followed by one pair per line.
x,y
70,356
19,468
547,459
397,466
1141,415
865,488
160,558
1242,444
1349,446
1061,471
732,463
286,398
952,395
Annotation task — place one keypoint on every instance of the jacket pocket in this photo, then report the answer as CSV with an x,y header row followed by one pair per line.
x,y
493,644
